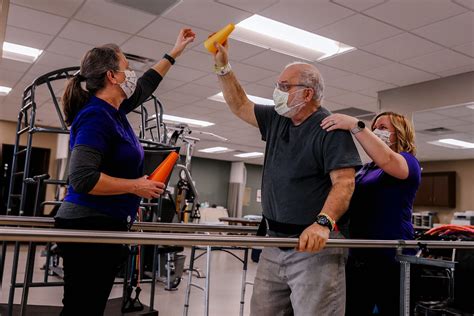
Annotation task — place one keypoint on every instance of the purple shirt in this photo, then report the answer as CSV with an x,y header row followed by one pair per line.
x,y
382,205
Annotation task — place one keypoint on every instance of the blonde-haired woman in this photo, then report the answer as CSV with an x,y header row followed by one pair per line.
x,y
380,208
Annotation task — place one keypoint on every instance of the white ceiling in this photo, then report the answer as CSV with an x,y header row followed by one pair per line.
x,y
399,42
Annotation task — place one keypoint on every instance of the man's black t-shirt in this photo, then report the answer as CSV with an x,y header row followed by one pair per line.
x,y
298,160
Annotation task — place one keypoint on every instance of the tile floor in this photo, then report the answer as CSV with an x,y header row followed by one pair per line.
x,y
226,277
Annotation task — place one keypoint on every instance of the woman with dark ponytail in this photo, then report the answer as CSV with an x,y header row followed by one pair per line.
x,y
106,180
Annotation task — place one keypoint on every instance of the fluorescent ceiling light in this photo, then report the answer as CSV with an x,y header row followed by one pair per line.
x,y
191,122
267,33
471,106
20,53
453,143
257,100
4,90
249,155
215,150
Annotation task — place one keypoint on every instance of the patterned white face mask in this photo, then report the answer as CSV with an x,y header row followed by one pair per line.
x,y
384,135
130,83
280,99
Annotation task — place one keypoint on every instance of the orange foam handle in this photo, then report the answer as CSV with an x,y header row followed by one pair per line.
x,y
219,37
163,171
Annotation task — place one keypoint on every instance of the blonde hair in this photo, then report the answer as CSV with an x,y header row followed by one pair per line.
x,y
404,131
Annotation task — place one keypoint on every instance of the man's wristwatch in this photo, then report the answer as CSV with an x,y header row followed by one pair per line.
x,y
222,71
324,220
359,127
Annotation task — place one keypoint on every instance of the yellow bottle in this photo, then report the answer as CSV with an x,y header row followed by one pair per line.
x,y
219,37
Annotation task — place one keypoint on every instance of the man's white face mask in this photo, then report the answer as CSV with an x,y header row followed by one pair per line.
x,y
282,107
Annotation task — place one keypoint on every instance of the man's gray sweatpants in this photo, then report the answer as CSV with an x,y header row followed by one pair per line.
x,y
289,282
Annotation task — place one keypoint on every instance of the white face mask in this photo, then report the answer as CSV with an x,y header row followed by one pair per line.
x,y
384,135
280,99
130,83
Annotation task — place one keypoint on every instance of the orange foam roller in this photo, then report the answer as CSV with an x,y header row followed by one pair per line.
x,y
163,171
219,37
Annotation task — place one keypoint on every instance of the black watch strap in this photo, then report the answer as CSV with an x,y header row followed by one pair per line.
x,y
324,221
169,58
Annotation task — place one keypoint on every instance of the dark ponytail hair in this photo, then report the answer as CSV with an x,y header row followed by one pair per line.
x,y
94,67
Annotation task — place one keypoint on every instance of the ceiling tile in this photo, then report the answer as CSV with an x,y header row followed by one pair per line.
x,y
352,99
69,48
467,48
108,14
13,65
399,74
238,50
270,60
353,83
211,104
468,4
402,46
359,5
55,61
64,8
196,60
449,122
455,71
356,61
179,96
306,15
250,73
249,5
27,38
330,91
439,61
454,31
329,73
259,90
145,47
458,111
412,14
91,34
34,20
184,74
9,78
373,91
198,13
358,30
168,84
167,31
199,90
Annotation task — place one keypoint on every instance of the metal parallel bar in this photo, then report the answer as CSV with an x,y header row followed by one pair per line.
x,y
404,288
90,236
2,261
29,268
207,281
145,226
11,296
244,281
190,282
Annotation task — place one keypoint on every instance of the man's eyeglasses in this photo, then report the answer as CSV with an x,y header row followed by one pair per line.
x,y
285,87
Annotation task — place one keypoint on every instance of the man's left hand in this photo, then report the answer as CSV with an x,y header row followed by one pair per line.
x,y
313,238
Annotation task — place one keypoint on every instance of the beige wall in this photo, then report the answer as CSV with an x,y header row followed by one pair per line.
x,y
464,186
7,136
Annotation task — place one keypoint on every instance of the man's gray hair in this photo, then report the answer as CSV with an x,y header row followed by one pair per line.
x,y
310,77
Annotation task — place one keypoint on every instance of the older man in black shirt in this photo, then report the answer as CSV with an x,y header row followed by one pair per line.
x,y
308,180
